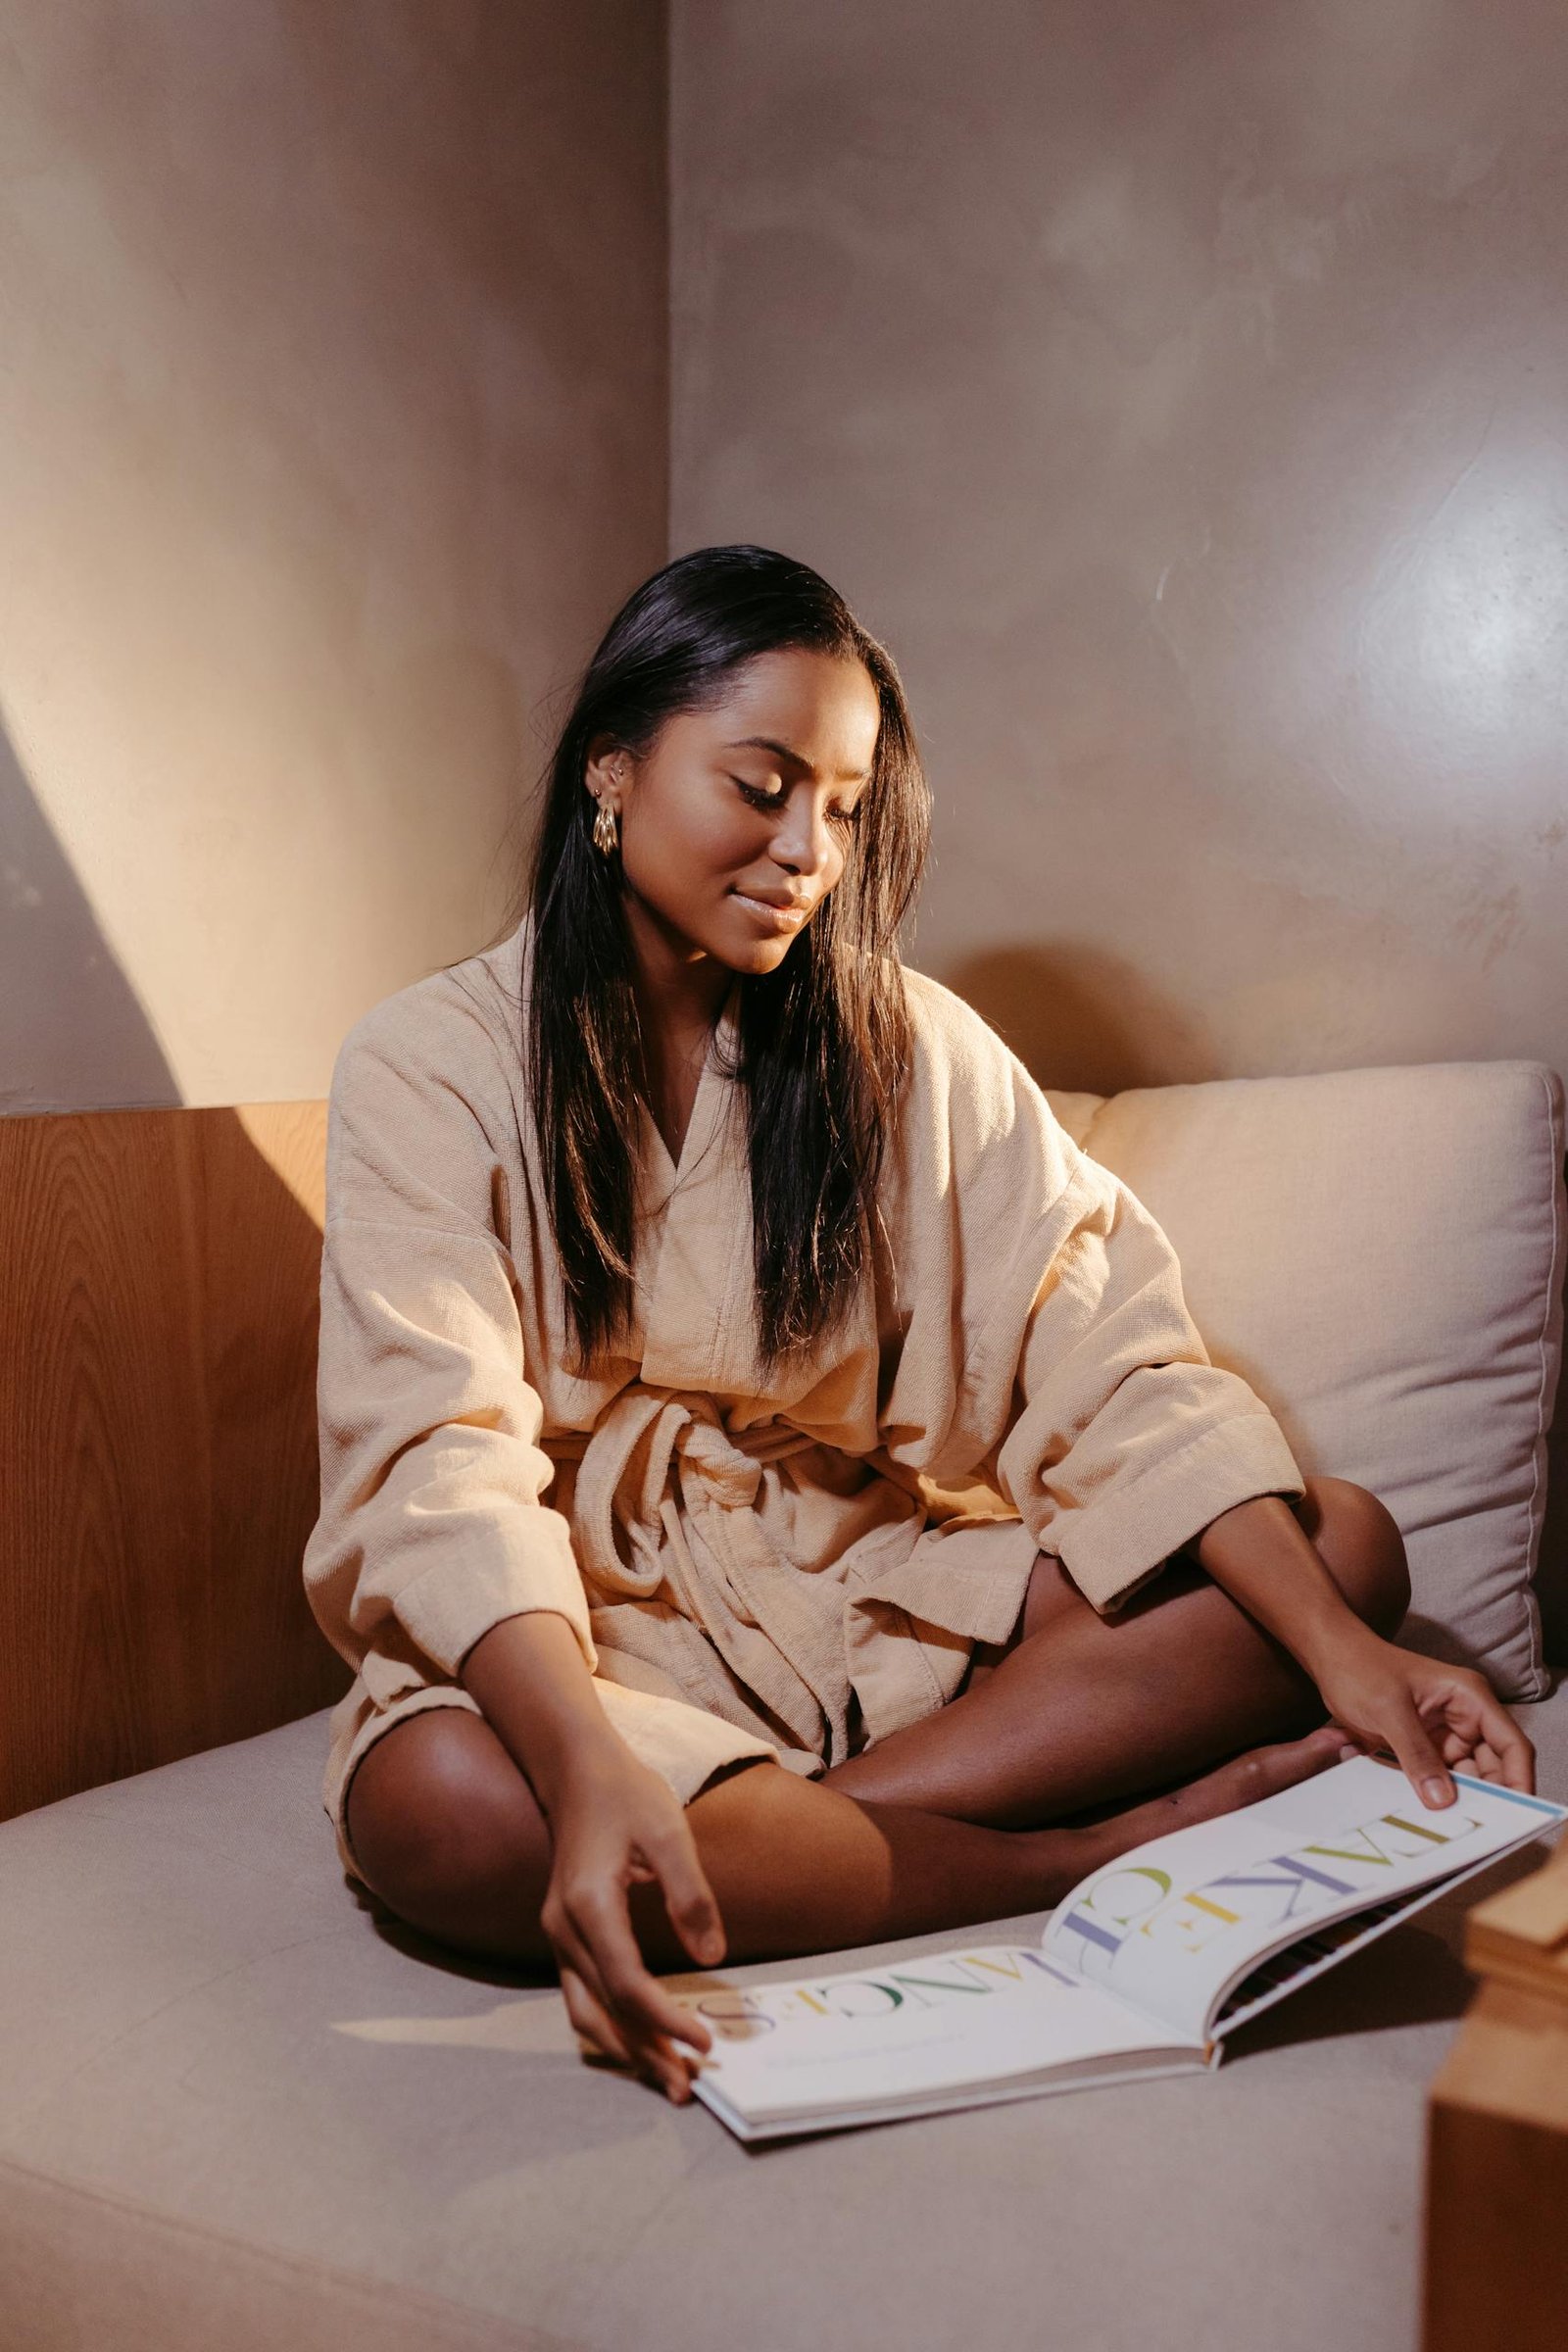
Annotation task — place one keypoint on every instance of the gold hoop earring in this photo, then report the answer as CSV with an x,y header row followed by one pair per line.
x,y
605,833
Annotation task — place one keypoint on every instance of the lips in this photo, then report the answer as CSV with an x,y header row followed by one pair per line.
x,y
784,915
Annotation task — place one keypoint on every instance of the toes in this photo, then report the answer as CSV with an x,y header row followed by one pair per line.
x,y
1292,1760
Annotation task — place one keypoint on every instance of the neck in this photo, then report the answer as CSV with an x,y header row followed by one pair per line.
x,y
680,989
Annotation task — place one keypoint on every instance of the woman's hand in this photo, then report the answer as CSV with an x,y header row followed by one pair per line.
x,y
1432,1716
614,1823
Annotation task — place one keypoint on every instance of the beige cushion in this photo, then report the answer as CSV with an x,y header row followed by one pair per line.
x,y
1380,1253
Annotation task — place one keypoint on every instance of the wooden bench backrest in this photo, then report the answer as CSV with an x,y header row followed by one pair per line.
x,y
159,1277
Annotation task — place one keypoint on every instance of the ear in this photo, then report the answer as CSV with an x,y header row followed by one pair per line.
x,y
605,771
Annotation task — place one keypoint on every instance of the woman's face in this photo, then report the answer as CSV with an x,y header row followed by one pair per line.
x,y
729,845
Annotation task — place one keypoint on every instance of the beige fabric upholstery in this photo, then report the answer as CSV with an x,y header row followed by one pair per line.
x,y
237,2114
1380,1254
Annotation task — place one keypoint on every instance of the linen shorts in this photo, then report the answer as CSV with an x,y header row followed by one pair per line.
x,y
684,1742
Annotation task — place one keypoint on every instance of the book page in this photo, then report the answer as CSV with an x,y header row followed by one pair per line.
x,y
1284,1972
908,2026
1173,1924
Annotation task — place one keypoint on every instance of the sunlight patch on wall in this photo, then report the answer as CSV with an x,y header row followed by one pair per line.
x,y
1463,646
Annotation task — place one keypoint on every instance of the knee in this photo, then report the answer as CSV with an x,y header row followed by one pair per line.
x,y
442,1824
1359,1539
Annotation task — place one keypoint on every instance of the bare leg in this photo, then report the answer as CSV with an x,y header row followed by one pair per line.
x,y
1087,1709
447,1830
448,1834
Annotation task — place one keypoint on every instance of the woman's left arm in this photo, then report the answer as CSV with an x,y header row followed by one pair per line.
x,y
1432,1716
1047,1345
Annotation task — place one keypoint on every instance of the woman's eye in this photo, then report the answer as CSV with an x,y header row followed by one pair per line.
x,y
759,798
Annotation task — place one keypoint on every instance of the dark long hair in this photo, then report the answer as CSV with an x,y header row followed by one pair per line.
x,y
822,1040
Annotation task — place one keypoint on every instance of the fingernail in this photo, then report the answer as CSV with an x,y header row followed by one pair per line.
x,y
712,1951
1436,1793
1347,1753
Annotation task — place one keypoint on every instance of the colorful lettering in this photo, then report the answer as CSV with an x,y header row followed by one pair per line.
x,y
738,2017
1302,1875
939,1984
1017,1960
1091,1930
845,1987
1177,1919
1375,1856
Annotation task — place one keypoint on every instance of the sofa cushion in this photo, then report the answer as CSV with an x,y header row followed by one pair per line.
x,y
239,2107
1380,1253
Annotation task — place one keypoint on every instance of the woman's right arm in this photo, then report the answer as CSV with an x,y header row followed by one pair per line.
x,y
434,1531
612,1822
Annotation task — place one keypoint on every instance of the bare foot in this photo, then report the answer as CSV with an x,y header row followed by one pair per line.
x,y
1089,1839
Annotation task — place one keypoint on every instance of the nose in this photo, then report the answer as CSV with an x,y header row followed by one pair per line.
x,y
804,843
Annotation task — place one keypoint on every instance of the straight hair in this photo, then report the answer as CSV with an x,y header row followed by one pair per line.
x,y
822,1040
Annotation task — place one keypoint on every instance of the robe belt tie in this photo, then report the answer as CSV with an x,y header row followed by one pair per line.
x,y
627,1459
780,1632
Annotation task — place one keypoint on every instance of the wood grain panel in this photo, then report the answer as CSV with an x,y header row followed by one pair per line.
x,y
159,1275
1495,2250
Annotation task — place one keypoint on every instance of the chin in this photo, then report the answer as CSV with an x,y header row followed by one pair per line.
x,y
765,955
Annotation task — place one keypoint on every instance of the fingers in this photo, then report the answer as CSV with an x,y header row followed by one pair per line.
x,y
613,1990
1418,1756
688,1898
592,1934
591,2019
1506,1743
1480,1760
618,1828
1484,1729
636,1999
651,2056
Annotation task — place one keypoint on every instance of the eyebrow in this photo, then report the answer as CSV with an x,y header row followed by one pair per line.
x,y
765,743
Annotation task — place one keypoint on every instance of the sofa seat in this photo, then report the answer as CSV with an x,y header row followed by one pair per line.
x,y
241,2108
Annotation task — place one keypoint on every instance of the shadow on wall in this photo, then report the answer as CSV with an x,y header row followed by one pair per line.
x,y
159,1279
1081,1020
72,1033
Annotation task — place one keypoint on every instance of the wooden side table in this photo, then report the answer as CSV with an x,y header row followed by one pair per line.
x,y
1496,2208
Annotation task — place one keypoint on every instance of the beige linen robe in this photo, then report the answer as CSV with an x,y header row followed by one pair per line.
x,y
793,1571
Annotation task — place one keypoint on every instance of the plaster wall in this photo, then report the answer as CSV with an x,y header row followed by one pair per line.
x,y
332,428
1178,392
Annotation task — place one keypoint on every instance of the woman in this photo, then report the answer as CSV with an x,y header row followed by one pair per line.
x,y
866,1402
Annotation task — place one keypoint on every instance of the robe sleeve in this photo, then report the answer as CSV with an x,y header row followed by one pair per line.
x,y
432,1526
1068,1372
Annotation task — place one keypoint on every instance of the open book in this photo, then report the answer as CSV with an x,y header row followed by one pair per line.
x,y
1140,1968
